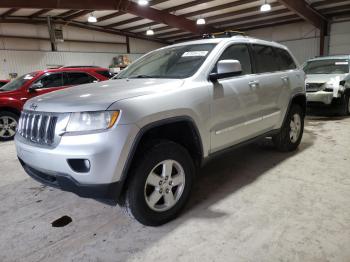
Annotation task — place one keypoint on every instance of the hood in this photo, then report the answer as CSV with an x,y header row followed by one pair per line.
x,y
99,96
323,78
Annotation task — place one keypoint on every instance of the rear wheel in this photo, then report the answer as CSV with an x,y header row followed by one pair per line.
x,y
288,139
160,183
8,125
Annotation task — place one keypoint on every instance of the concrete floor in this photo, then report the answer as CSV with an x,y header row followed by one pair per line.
x,y
252,205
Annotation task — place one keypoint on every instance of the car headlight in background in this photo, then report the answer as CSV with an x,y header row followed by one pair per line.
x,y
91,121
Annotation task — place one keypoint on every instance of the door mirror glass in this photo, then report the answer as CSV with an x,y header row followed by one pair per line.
x,y
227,68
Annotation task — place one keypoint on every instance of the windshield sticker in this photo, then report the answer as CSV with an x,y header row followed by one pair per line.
x,y
28,77
342,63
195,53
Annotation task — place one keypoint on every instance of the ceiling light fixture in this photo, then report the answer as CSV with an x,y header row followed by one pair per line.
x,y
200,21
142,2
92,18
265,7
149,32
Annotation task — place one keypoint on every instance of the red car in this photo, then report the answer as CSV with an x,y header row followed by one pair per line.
x,y
3,82
14,94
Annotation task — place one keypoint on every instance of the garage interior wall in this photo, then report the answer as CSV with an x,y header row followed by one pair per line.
x,y
81,47
339,42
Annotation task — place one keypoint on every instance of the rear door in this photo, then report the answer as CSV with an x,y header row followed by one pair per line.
x,y
271,83
78,78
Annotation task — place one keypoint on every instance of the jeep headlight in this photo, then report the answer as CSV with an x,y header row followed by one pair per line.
x,y
91,121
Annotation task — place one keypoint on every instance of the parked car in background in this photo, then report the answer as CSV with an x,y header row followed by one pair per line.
x,y
328,82
14,94
139,141
3,82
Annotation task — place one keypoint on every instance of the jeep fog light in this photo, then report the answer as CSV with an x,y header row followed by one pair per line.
x,y
92,121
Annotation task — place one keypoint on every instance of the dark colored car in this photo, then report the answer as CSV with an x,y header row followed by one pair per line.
x,y
14,94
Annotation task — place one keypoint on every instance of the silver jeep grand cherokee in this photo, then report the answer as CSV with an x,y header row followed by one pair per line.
x,y
138,139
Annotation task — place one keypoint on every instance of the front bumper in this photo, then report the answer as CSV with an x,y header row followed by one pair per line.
x,y
105,192
106,152
320,97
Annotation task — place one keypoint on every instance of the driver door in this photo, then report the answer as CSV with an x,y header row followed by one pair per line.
x,y
235,102
49,82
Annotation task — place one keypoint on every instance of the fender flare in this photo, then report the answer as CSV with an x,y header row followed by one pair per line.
x,y
137,140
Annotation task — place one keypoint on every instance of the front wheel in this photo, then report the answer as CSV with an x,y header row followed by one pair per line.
x,y
8,125
345,107
289,137
160,183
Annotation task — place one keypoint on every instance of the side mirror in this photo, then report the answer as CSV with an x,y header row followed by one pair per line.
x,y
226,68
35,86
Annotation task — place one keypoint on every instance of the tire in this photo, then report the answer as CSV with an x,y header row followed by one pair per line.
x,y
154,196
8,124
288,139
345,106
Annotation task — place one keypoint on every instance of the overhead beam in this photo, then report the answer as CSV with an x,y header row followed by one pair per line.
x,y
82,25
112,15
40,12
209,10
121,5
67,13
302,9
10,12
119,13
78,14
163,17
169,10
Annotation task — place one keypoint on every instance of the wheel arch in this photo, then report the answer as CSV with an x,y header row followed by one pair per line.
x,y
10,109
186,134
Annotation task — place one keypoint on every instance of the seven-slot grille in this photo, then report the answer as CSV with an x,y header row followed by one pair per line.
x,y
37,127
314,87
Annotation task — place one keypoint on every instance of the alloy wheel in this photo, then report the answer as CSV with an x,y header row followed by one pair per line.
x,y
8,126
295,128
164,185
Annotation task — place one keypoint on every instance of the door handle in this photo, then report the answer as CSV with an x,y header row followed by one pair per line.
x,y
254,84
285,79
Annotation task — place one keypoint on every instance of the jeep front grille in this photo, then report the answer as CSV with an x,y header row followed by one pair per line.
x,y
37,127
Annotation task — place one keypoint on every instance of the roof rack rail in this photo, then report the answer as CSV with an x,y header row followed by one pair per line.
x,y
225,34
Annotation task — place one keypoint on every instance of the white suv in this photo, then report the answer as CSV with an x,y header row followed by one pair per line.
x,y
137,139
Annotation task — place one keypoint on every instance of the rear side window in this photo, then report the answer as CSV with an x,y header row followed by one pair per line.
x,y
284,59
78,78
238,52
265,59
105,73
51,80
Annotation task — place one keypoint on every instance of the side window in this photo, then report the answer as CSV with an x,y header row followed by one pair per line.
x,y
284,59
240,53
51,80
78,78
265,59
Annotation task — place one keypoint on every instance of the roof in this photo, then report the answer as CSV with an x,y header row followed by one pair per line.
x,y
238,39
172,21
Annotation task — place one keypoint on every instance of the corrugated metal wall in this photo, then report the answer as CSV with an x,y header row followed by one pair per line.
x,y
22,62
340,38
304,49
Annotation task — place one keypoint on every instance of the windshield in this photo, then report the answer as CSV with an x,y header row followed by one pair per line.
x,y
173,62
18,82
328,66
